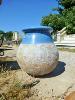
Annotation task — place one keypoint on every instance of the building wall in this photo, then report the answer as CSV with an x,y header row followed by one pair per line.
x,y
15,36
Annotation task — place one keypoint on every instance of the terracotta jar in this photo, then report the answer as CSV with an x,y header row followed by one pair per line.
x,y
37,54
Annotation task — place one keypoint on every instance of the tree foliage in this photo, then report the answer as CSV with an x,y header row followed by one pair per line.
x,y
2,33
64,18
69,15
9,35
6,35
67,3
55,21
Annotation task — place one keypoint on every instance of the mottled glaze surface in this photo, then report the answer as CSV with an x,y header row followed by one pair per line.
x,y
37,54
37,59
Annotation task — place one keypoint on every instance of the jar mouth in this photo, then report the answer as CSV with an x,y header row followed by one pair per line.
x,y
36,38
45,30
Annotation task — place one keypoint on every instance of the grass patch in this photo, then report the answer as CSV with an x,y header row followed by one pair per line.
x,y
15,93
11,89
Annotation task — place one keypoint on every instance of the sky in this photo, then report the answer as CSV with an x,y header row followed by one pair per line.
x,y
16,15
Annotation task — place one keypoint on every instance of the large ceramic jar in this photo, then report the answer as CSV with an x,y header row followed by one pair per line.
x,y
37,54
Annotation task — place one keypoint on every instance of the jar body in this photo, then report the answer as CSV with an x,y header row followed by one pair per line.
x,y
37,54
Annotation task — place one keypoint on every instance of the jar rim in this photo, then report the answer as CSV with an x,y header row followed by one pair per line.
x,y
38,30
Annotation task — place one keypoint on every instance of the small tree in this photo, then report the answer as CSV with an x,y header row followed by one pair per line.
x,y
64,18
9,35
56,21
2,35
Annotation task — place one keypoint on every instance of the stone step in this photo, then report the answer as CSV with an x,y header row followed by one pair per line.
x,y
73,35
67,41
65,44
69,38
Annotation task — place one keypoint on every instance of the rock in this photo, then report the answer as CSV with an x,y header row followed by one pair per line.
x,y
26,80
71,96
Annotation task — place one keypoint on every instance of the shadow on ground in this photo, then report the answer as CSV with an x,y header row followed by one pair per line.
x,y
57,71
9,65
13,65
